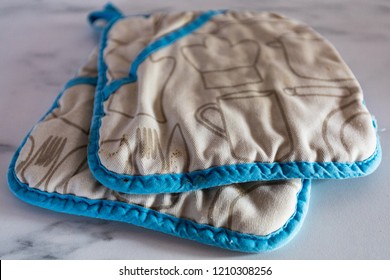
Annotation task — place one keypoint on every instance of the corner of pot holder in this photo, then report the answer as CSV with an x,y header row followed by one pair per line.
x,y
193,100
50,170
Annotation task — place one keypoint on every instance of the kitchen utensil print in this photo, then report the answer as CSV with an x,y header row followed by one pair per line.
x,y
119,54
321,91
41,160
146,152
149,157
52,162
336,114
72,111
159,202
252,122
54,158
128,103
223,64
343,128
236,206
309,56
234,192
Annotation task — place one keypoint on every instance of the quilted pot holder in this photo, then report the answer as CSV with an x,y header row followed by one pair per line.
x,y
203,125
193,100
50,170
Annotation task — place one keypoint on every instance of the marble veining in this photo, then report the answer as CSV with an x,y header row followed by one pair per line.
x,y
57,239
44,42
7,148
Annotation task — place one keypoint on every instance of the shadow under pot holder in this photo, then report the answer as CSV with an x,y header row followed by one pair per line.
x,y
194,100
50,170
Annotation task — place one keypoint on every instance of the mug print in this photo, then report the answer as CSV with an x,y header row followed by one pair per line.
x,y
323,63
228,118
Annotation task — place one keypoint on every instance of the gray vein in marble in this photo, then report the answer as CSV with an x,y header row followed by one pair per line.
x,y
7,148
57,240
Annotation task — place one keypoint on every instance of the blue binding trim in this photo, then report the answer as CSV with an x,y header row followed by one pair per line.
x,y
137,215
228,174
115,85
169,39
151,219
155,46
108,13
211,177
92,81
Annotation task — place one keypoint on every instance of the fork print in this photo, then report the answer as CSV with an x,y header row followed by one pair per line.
x,y
42,161
148,152
50,150
150,157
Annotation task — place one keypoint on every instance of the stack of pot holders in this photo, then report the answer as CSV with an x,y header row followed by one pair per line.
x,y
204,125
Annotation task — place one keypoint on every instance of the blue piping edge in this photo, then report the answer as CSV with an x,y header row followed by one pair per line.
x,y
81,80
211,177
170,38
151,219
137,215
108,13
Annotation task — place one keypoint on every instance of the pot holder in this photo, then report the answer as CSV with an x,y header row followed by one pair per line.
x,y
50,170
193,100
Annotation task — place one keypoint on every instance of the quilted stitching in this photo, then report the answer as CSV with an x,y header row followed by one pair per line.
x,y
151,219
214,176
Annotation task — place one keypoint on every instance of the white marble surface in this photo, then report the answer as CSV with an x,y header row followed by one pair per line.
x,y
43,42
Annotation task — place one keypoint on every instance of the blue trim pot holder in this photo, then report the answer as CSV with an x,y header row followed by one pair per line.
x,y
50,170
194,100
204,125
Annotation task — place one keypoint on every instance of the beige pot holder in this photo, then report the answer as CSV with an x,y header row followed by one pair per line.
x,y
50,170
193,100
202,125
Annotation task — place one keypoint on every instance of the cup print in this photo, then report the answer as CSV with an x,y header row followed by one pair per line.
x,y
252,122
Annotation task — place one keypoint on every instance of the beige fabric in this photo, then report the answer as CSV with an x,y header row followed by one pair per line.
x,y
245,87
54,160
